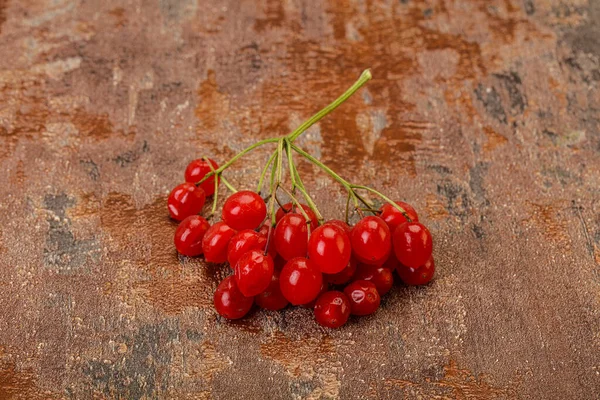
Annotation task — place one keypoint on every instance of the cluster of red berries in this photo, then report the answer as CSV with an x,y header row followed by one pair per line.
x,y
297,260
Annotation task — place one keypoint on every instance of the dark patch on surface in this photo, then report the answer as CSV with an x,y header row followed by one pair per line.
x,y
492,102
3,4
457,197
143,371
194,335
428,12
513,85
302,389
551,135
63,251
91,168
529,7
443,170
586,37
476,182
478,231
131,156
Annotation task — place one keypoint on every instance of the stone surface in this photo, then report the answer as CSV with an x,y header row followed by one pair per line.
x,y
484,114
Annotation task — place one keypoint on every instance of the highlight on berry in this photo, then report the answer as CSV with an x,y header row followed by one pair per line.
x,y
285,253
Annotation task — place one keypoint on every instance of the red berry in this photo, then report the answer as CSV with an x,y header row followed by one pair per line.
x,y
371,241
380,276
363,296
197,169
185,200
244,210
272,298
289,207
291,236
215,242
343,276
264,231
332,309
324,288
189,235
391,263
412,244
393,217
417,276
279,262
300,281
253,272
341,224
242,242
329,248
229,301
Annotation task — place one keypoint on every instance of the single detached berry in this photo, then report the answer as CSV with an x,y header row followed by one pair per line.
x,y
289,207
329,248
371,241
344,276
197,169
215,242
380,276
229,301
244,210
300,281
417,276
185,200
189,235
272,298
242,242
412,244
253,272
363,296
347,228
291,236
332,309
393,217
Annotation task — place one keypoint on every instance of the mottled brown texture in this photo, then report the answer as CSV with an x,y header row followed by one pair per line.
x,y
483,114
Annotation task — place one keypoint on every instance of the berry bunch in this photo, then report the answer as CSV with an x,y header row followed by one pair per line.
x,y
292,255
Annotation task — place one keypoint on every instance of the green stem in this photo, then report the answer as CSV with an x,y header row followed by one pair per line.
x,y
384,197
264,172
226,183
364,78
297,182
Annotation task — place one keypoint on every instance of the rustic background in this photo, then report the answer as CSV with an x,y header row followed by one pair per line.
x,y
484,114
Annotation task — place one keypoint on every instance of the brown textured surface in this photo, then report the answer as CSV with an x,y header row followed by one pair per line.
x,y
483,113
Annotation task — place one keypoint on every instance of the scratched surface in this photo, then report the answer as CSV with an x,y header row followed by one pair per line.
x,y
484,114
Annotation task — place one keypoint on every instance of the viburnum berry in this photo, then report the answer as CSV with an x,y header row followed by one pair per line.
x,y
381,277
363,296
253,272
242,242
229,301
417,276
291,236
290,207
300,281
344,276
189,235
412,244
185,200
324,288
347,228
332,309
371,240
244,210
215,242
329,248
393,217
197,169
391,263
272,298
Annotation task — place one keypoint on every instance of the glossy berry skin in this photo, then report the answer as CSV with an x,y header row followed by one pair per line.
x,y
242,242
229,301
272,298
189,235
264,231
300,281
216,241
289,207
291,236
363,296
329,248
332,309
417,276
197,169
185,200
412,244
244,210
344,276
347,228
324,288
394,218
380,276
371,241
253,272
